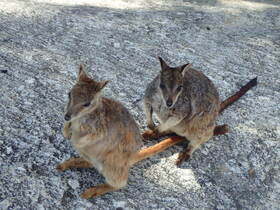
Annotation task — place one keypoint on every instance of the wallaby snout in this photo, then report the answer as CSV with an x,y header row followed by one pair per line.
x,y
169,102
67,117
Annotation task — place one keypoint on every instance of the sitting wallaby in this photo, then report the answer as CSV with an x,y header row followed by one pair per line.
x,y
186,103
104,134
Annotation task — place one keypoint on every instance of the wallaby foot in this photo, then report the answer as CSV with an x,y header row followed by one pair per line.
x,y
221,129
73,163
97,190
184,155
66,130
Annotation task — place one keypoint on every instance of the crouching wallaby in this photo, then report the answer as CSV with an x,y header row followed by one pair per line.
x,y
104,134
186,103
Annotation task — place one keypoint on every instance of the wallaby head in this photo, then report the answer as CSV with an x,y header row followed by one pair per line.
x,y
171,82
84,96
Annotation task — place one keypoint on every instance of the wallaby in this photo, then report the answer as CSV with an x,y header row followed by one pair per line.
x,y
186,103
104,134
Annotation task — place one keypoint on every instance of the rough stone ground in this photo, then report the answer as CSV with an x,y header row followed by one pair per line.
x,y
43,41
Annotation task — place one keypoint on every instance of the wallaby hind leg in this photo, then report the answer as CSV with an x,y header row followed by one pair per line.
x,y
97,190
195,143
116,178
73,163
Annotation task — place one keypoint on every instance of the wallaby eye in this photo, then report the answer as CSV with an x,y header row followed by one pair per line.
x,y
86,104
162,86
69,95
179,88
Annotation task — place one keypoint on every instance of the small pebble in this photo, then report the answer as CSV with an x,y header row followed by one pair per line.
x,y
117,45
252,172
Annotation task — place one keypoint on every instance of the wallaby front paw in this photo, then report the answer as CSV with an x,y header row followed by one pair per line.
x,y
151,126
67,135
66,130
182,157
150,134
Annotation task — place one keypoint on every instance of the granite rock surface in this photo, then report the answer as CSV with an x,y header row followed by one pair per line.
x,y
42,42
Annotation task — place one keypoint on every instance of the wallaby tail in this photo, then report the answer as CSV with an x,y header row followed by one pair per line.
x,y
152,150
229,101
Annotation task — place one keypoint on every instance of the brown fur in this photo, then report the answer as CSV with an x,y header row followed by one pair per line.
x,y
104,134
193,113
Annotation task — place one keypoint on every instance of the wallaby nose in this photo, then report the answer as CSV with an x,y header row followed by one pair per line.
x,y
67,117
169,103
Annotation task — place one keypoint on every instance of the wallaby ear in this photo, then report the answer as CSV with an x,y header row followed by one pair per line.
x,y
162,64
185,68
82,76
102,84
